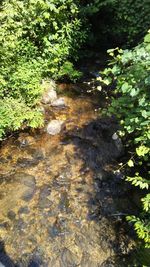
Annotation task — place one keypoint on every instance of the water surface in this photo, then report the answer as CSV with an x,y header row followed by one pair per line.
x,y
61,205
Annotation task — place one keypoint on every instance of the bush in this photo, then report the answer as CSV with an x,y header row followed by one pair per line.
x,y
132,20
15,113
129,72
38,39
48,31
117,22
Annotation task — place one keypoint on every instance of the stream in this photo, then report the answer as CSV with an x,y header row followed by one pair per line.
x,y
61,202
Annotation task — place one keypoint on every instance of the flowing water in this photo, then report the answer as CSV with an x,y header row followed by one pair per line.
x,y
61,205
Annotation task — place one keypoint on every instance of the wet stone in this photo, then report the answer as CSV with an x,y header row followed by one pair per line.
x,y
11,215
44,202
68,259
64,202
9,157
24,210
28,195
3,160
26,162
59,103
54,231
38,155
36,260
60,181
54,127
20,225
4,225
59,228
29,181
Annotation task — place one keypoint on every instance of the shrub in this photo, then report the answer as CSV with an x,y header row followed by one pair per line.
x,y
117,22
38,39
14,114
129,72
45,30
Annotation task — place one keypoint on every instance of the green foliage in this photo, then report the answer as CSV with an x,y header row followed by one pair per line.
x,y
45,30
67,69
129,73
142,228
38,39
132,19
118,22
21,81
14,114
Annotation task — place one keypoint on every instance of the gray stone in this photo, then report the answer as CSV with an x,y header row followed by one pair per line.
x,y
26,162
64,202
60,102
54,231
24,210
11,215
55,127
28,195
28,182
20,225
118,143
38,155
44,202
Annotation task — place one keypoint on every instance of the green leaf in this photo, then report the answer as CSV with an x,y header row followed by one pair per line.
x,y
147,38
130,163
125,87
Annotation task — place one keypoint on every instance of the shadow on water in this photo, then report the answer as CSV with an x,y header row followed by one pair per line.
x,y
112,198
6,261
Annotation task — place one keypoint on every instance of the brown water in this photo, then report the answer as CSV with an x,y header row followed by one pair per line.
x,y
60,203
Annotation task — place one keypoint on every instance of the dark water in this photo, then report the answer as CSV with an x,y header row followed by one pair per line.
x,y
61,203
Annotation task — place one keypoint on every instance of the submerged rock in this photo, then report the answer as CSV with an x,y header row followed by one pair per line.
x,y
64,202
26,162
24,210
25,139
11,215
44,202
68,259
118,143
28,195
55,127
20,186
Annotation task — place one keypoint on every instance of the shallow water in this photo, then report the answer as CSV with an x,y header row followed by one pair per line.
x,y
61,205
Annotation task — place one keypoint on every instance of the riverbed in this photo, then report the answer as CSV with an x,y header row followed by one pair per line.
x,y
62,201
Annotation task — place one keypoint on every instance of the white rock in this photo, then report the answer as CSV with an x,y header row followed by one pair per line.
x,y
118,143
115,136
55,127
60,102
